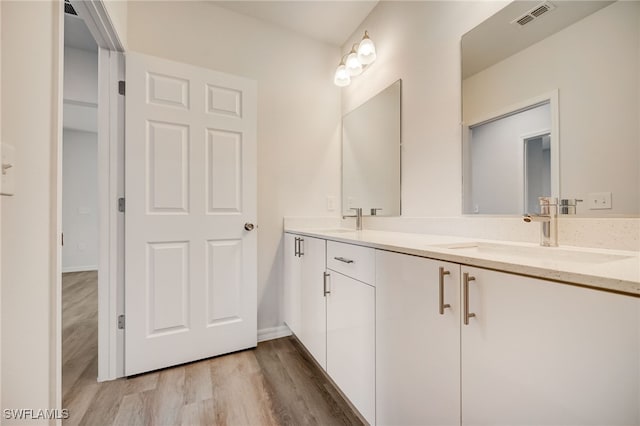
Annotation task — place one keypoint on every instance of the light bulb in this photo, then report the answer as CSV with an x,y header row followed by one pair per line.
x,y
342,77
366,50
353,64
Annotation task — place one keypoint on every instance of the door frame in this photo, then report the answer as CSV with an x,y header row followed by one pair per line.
x,y
110,188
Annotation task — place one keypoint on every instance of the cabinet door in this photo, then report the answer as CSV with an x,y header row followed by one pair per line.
x,y
543,353
351,341
313,314
417,347
292,283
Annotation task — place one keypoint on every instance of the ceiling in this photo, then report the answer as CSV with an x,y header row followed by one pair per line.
x,y
498,38
331,22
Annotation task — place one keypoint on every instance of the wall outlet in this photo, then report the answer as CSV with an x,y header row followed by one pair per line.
x,y
599,200
331,203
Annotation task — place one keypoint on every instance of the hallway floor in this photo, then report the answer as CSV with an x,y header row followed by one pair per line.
x,y
275,384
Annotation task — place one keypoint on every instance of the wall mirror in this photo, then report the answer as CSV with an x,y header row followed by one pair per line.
x,y
551,105
371,155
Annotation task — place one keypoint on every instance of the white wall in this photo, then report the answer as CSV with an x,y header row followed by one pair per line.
x,y
80,201
419,42
599,140
0,212
298,112
29,218
80,76
80,161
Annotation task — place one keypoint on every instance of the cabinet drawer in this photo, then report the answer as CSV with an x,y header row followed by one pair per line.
x,y
353,261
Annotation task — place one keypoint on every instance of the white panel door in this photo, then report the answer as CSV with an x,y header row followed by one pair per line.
x,y
190,266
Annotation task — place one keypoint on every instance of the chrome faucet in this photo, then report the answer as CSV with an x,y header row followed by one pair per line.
x,y
568,205
548,219
358,217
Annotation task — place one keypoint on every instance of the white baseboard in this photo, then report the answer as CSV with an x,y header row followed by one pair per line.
x,y
79,268
273,333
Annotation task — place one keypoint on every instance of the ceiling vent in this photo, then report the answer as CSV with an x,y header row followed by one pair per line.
x,y
69,9
534,13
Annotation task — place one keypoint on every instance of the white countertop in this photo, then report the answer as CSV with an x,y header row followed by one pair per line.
x,y
613,270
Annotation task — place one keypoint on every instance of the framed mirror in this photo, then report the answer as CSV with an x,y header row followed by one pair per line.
x,y
371,138
582,60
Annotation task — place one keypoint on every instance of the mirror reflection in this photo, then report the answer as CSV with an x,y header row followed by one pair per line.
x,y
588,54
508,160
371,155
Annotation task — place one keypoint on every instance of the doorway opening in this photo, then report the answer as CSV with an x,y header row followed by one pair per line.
x,y
80,207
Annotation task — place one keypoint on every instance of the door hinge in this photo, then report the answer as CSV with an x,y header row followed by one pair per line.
x,y
120,322
121,85
121,204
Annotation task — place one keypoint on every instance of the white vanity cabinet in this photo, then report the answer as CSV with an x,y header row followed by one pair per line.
x,y
543,353
351,324
417,340
292,283
411,340
330,306
305,310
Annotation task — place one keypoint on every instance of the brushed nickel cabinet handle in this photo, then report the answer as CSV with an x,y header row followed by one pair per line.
x,y
343,259
295,246
442,274
300,247
327,288
465,295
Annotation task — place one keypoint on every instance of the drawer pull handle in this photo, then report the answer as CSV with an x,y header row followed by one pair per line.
x,y
465,293
296,247
342,259
443,305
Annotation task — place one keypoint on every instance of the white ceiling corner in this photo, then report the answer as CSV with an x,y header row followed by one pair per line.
x,y
332,22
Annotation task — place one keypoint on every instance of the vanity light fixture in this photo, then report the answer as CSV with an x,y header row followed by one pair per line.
x,y
342,78
353,63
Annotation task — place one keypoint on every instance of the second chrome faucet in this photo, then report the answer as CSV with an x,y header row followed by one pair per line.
x,y
548,219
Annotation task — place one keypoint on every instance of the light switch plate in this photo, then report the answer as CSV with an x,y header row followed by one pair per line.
x,y
7,185
599,200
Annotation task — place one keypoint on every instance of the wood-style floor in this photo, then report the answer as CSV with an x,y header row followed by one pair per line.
x,y
274,384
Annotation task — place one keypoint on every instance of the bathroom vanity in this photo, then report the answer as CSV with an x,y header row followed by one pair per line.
x,y
435,330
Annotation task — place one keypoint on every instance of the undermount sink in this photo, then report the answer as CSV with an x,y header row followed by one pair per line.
x,y
551,253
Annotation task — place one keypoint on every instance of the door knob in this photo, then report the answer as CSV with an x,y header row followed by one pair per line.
x,y
248,226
